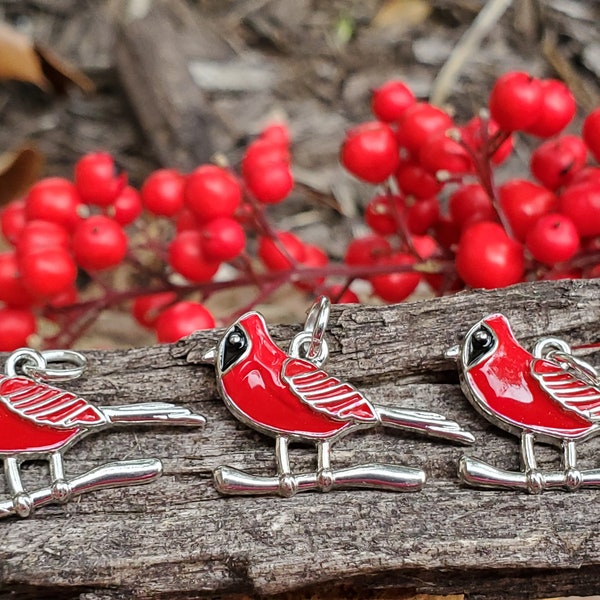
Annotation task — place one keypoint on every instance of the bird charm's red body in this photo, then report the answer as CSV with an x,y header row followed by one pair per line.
x,y
278,394
293,399
553,398
37,418
39,421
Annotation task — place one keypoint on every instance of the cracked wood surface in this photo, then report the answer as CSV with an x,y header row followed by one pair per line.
x,y
177,538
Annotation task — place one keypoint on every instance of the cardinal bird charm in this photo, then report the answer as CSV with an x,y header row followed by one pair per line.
x,y
39,421
547,396
289,397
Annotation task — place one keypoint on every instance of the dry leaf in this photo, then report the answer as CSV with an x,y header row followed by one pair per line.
x,y
402,14
19,170
18,59
23,60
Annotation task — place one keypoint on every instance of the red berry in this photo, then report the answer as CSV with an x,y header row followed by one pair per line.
x,y
340,294
591,133
367,250
381,214
586,175
553,238
475,136
420,122
212,192
222,239
487,258
470,204
370,152
127,207
555,162
271,184
421,215
146,309
48,272
426,247
99,243
181,319
39,235
523,203
54,199
581,203
65,298
97,179
187,258
16,325
12,220
516,101
391,100
186,220
314,258
12,290
162,193
415,181
262,153
273,258
447,232
441,153
395,287
277,134
557,110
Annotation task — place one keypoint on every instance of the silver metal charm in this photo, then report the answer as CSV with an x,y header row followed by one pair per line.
x,y
289,397
547,396
39,421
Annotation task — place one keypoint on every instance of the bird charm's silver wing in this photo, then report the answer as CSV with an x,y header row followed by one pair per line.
x,y
47,405
327,394
570,383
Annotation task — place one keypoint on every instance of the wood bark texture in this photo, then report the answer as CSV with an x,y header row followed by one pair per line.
x,y
177,538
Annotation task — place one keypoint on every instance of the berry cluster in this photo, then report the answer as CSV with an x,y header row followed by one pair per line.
x,y
166,241
437,216
439,209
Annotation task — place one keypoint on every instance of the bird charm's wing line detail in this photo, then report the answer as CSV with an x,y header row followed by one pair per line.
x,y
574,388
327,394
46,405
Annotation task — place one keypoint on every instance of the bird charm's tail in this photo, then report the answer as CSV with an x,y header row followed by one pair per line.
x,y
152,412
427,423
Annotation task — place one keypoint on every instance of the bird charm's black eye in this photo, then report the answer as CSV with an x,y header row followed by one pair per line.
x,y
235,345
481,342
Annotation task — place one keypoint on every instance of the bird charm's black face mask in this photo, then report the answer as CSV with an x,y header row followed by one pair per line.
x,y
481,342
234,346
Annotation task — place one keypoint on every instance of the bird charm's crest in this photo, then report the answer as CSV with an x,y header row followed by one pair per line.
x,y
40,421
288,396
547,396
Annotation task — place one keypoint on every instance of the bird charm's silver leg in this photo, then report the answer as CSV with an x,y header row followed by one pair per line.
x,y
325,478
61,490
535,479
288,485
21,500
573,476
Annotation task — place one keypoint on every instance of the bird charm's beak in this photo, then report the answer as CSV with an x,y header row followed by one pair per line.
x,y
208,358
452,353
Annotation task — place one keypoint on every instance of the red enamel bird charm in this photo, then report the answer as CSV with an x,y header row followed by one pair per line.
x,y
39,421
549,396
293,399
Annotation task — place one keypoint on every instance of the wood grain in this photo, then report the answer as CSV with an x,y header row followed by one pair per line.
x,y
177,538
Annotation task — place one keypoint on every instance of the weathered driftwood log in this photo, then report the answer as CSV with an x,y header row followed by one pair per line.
x,y
177,538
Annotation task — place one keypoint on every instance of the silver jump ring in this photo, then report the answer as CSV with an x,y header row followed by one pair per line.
x,y
546,346
316,325
298,349
77,363
19,359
